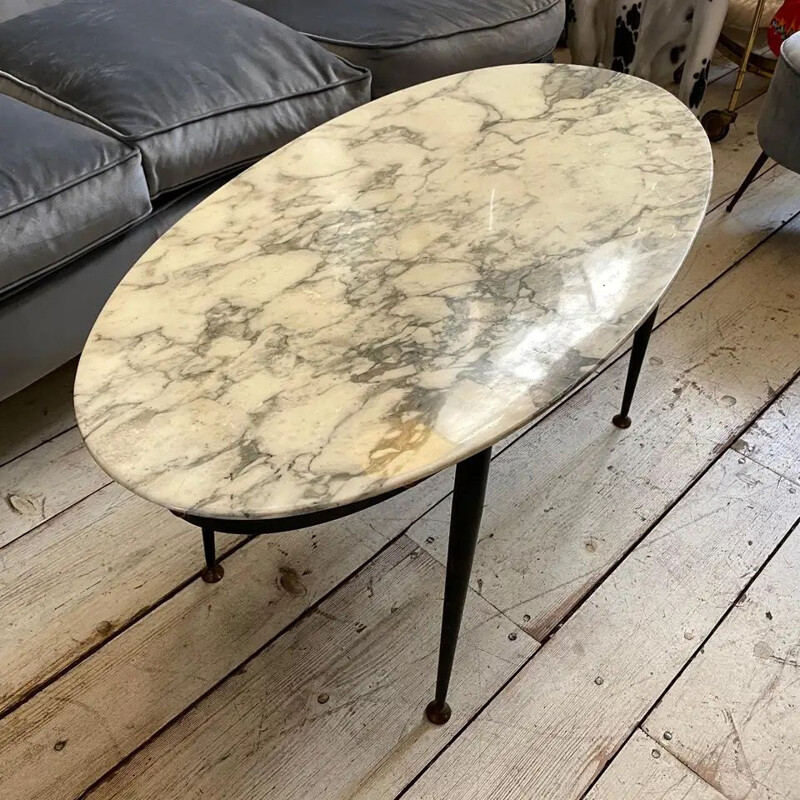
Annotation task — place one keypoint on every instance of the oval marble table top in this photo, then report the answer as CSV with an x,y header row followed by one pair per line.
x,y
393,291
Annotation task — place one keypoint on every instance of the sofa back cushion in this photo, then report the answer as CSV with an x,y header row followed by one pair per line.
x,y
199,86
403,42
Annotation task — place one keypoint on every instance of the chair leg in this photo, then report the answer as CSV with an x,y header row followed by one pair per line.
x,y
465,520
213,571
638,350
751,176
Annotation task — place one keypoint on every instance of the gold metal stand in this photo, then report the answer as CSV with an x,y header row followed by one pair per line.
x,y
717,123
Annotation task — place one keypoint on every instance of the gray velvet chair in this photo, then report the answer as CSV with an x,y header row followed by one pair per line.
x,y
779,124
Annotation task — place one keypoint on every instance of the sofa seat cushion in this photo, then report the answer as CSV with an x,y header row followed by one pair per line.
x,y
403,42
64,188
199,86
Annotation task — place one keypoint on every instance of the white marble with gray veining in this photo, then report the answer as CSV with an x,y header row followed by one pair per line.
x,y
393,291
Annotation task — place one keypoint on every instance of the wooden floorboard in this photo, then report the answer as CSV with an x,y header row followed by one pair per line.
x,y
643,770
334,708
734,715
774,441
554,727
89,573
53,477
39,413
82,577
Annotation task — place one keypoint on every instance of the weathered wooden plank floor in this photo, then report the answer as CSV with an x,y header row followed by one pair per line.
x,y
631,631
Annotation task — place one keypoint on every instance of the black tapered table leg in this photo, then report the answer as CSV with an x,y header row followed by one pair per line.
x,y
213,571
465,521
749,178
638,350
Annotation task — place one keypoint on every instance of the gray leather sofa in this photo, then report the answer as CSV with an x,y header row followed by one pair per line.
x,y
118,116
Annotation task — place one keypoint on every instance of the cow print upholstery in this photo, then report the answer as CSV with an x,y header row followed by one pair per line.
x,y
659,40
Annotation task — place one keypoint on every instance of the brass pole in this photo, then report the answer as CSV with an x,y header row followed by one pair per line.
x,y
746,57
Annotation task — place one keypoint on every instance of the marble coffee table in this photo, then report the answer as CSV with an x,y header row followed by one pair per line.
x,y
389,295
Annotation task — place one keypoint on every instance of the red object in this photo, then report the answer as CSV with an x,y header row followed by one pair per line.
x,y
785,22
